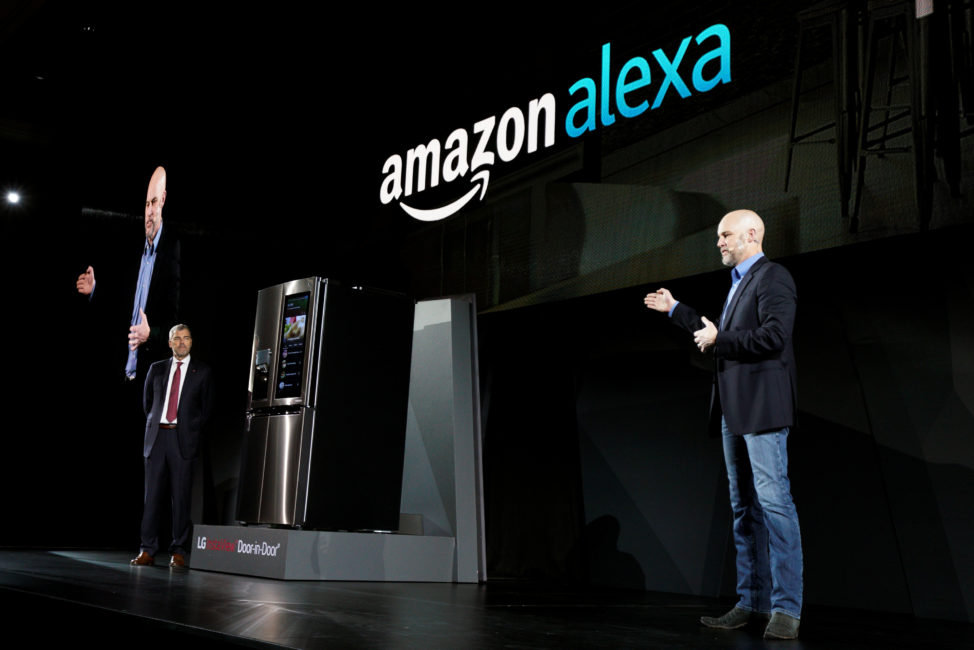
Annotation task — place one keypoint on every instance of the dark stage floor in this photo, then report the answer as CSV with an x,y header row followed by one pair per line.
x,y
76,596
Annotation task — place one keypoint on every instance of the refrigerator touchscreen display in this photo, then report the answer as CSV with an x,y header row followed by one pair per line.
x,y
293,333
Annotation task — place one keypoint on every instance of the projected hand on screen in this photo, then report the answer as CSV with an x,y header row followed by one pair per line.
x,y
661,300
139,334
86,282
706,336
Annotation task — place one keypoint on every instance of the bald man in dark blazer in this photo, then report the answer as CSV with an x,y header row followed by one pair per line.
x,y
173,428
157,287
753,405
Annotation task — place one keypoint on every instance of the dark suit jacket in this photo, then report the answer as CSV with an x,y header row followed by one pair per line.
x,y
195,405
162,305
755,384
114,296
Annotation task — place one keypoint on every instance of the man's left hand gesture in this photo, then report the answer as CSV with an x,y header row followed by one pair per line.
x,y
139,334
705,337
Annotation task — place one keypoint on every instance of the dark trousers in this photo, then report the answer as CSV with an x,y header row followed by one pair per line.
x,y
167,474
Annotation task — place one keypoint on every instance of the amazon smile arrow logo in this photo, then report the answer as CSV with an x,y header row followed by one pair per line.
x,y
445,211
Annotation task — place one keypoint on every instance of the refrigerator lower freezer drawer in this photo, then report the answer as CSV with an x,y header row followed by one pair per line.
x,y
273,488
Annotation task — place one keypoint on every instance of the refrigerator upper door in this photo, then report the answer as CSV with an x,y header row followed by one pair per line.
x,y
282,367
263,360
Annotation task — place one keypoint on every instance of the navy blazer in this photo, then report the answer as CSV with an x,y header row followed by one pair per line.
x,y
195,405
755,383
162,303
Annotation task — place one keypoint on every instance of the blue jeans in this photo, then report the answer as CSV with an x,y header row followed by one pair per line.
x,y
766,533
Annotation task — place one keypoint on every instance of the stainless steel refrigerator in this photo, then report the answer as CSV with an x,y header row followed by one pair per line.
x,y
326,423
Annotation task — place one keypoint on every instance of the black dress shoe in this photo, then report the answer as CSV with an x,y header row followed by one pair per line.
x,y
177,561
144,559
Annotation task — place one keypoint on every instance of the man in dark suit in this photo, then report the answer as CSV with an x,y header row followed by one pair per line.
x,y
178,403
157,285
754,402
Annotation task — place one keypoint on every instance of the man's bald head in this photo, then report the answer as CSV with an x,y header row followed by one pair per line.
x,y
155,198
739,236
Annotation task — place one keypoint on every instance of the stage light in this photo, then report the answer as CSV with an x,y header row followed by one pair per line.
x,y
13,197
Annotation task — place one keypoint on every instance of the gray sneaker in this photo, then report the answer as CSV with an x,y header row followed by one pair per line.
x,y
782,626
732,620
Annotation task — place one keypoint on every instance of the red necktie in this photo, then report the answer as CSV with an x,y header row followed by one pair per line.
x,y
174,394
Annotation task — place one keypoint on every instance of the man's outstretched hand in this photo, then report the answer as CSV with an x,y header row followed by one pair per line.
x,y
86,282
660,300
